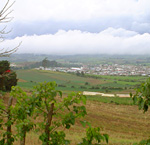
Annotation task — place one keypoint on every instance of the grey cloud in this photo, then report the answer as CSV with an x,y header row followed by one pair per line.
x,y
87,15
139,24
141,27
93,26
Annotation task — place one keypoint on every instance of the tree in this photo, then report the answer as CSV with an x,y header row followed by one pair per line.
x,y
8,78
142,99
45,62
4,18
56,113
82,73
6,136
93,134
4,66
78,73
22,113
142,96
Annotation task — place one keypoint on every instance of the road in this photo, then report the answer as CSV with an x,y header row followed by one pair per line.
x,y
106,95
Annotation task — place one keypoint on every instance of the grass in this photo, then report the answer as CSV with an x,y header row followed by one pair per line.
x,y
114,100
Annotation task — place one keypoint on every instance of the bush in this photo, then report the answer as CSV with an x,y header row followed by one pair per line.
x,y
61,85
4,66
8,78
83,87
95,87
86,83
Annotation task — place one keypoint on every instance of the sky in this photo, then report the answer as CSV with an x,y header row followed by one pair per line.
x,y
66,27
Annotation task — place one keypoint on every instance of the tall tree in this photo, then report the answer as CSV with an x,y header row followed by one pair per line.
x,y
45,62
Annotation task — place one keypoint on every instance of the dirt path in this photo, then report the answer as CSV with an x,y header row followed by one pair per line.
x,y
106,95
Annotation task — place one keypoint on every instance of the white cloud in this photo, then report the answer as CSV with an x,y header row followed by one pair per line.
x,y
119,32
77,42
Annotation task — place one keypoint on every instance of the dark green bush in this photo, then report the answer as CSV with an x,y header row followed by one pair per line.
x,y
8,78
4,66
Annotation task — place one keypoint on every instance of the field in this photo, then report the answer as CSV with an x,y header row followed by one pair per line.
x,y
72,82
124,124
118,117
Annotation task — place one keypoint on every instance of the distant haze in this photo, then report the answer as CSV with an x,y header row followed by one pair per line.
x,y
65,27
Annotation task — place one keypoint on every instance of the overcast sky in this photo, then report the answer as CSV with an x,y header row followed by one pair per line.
x,y
80,26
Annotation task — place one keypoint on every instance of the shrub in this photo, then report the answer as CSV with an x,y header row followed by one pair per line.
x,y
8,78
86,83
82,87
61,85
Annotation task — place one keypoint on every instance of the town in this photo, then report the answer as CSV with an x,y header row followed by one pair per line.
x,y
105,69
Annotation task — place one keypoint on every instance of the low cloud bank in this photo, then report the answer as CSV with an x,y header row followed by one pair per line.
x,y
109,41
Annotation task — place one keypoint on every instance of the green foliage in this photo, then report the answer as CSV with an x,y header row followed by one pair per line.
x,y
86,83
22,113
93,134
4,65
46,63
6,136
8,78
54,110
2,114
81,74
49,105
143,142
57,138
142,96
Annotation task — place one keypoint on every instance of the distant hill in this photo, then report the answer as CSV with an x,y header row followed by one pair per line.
x,y
85,59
